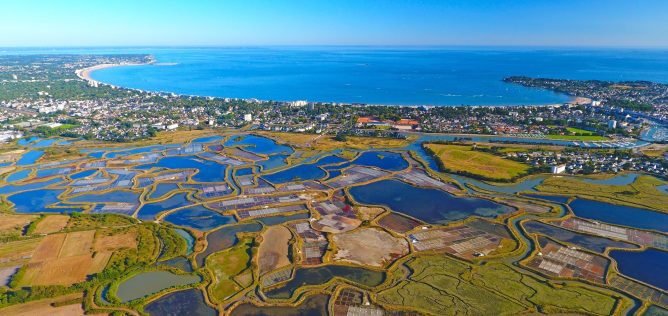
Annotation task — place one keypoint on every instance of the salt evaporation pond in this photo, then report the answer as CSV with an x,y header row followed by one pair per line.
x,y
199,217
648,266
187,302
596,244
298,173
620,215
259,145
382,159
149,210
429,205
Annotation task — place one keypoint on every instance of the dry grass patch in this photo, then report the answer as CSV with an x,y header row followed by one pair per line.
x,y
273,251
105,242
17,251
11,223
46,307
51,224
369,246
63,271
463,159
369,213
49,248
654,150
64,259
77,243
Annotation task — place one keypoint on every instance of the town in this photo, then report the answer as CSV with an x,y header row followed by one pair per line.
x,y
46,95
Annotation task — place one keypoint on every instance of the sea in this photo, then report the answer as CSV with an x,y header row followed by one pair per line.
x,y
438,76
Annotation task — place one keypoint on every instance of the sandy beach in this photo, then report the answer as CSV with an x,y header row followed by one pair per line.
x,y
85,73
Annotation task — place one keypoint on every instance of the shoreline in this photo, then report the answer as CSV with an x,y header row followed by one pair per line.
x,y
85,74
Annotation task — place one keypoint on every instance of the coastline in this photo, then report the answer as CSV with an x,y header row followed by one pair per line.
x,y
85,73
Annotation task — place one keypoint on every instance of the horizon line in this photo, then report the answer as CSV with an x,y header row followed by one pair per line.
x,y
659,47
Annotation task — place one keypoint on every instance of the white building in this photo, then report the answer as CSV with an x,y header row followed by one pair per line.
x,y
558,169
612,124
248,117
172,126
6,136
298,103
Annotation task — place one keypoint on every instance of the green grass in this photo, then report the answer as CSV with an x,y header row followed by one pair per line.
x,y
462,158
641,193
579,138
583,135
574,130
226,266
443,286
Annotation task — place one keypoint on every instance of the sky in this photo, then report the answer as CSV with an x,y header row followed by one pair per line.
x,y
573,23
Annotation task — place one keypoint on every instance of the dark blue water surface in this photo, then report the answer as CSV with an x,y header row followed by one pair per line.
x,y
382,159
29,158
597,244
30,186
209,171
112,196
648,266
36,201
258,145
273,162
19,175
27,141
83,174
429,205
199,217
437,76
620,215
301,172
149,210
162,189
187,302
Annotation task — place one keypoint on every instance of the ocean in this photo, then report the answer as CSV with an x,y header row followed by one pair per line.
x,y
441,76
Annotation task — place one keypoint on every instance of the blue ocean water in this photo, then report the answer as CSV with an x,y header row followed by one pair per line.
x,y
391,76
374,75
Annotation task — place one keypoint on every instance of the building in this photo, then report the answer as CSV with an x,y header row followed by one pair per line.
x,y
612,124
248,117
558,169
406,124
6,136
298,103
172,126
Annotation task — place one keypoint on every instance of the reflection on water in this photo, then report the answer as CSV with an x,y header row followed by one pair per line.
x,y
429,205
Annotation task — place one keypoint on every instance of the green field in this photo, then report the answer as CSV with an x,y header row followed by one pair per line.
x,y
440,285
642,192
582,135
463,159
231,270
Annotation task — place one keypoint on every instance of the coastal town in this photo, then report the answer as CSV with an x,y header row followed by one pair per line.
x,y
54,95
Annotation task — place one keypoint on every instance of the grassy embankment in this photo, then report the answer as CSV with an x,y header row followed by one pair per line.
x,y
641,193
462,159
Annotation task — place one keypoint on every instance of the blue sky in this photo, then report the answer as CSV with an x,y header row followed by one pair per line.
x,y
334,22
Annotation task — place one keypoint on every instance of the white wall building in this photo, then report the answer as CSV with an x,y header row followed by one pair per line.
x,y
558,169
